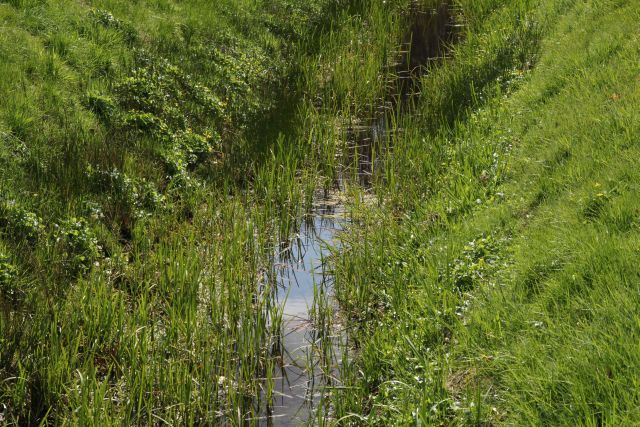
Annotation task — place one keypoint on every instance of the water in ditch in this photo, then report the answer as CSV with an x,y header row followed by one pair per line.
x,y
313,341
305,365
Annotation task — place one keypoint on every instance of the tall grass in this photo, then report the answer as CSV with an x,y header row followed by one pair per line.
x,y
153,156
137,216
155,153
493,282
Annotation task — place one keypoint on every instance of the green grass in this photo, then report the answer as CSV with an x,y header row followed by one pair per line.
x,y
496,283
153,154
129,275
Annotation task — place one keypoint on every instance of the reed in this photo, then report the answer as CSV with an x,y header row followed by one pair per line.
x,y
154,155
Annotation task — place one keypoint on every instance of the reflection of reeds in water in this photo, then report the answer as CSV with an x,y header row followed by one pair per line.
x,y
366,138
304,363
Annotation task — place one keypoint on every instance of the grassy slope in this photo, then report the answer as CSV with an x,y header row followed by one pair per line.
x,y
499,283
126,272
153,155
496,272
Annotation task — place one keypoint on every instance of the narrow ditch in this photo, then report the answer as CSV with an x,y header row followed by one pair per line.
x,y
309,353
306,364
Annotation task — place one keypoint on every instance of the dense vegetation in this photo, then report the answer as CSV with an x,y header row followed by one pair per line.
x,y
498,281
153,153
133,136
